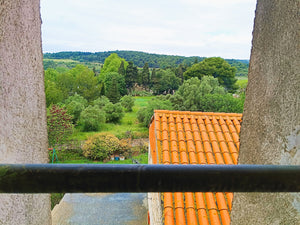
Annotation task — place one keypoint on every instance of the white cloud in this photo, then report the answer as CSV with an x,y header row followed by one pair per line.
x,y
185,27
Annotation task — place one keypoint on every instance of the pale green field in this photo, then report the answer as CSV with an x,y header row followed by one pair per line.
x,y
129,124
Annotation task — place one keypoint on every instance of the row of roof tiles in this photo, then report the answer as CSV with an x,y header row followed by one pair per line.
x,y
178,137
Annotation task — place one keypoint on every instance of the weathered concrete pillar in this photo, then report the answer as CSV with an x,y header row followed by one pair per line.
x,y
271,121
23,128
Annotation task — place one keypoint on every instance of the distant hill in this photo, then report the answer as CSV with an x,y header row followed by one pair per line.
x,y
139,59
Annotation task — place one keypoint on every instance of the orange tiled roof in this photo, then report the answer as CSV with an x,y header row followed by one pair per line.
x,y
178,137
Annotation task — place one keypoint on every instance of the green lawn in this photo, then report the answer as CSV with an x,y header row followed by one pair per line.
x,y
78,158
242,82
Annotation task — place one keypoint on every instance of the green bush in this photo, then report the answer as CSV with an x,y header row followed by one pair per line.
x,y
77,98
100,146
91,118
101,101
145,114
113,112
127,102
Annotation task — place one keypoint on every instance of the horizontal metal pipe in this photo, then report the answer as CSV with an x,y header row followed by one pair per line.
x,y
47,178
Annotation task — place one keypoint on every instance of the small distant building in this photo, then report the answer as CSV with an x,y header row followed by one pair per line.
x,y
178,137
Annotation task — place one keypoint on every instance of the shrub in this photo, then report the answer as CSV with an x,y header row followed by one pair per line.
x,y
127,102
113,112
222,103
101,101
77,98
75,105
145,114
125,147
100,146
91,118
59,124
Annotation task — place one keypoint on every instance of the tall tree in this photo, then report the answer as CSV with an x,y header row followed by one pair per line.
x,y
108,80
153,80
122,69
145,75
112,64
86,84
179,72
113,92
216,67
131,75
166,82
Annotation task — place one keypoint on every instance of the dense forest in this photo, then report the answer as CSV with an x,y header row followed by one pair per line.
x,y
93,60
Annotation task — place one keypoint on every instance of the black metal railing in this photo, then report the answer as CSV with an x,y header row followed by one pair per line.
x,y
46,178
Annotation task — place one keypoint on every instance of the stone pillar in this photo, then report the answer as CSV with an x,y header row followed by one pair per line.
x,y
270,131
23,128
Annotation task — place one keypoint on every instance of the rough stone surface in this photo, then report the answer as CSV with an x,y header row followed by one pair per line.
x,y
23,133
270,131
155,208
101,208
154,201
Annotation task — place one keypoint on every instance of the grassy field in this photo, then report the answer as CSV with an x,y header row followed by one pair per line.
x,y
242,82
129,124
76,157
128,127
69,63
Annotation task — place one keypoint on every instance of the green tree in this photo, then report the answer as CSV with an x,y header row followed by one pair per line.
x,y
127,102
53,94
189,95
75,105
112,91
221,103
66,83
166,81
114,112
122,69
145,114
131,75
51,74
153,80
85,82
91,118
179,72
115,86
112,64
145,75
216,67
101,102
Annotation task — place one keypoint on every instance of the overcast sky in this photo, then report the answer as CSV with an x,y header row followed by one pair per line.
x,y
176,27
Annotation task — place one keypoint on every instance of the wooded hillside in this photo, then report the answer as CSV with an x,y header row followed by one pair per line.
x,y
138,58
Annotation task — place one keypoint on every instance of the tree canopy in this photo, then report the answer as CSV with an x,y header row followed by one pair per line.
x,y
131,75
189,95
115,86
165,81
138,58
113,64
217,68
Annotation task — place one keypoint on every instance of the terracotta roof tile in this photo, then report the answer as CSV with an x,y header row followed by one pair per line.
x,y
195,138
